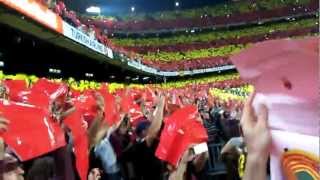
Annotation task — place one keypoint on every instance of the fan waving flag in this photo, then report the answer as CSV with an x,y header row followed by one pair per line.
x,y
181,130
43,92
81,142
285,76
111,108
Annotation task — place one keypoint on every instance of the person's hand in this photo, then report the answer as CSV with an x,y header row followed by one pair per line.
x,y
122,117
84,124
2,149
67,112
160,99
94,174
255,130
3,127
99,100
186,156
100,103
3,124
178,173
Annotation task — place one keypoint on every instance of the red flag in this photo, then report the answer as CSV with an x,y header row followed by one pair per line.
x,y
31,132
136,115
81,146
181,130
173,103
17,89
111,108
129,106
81,142
74,93
43,92
87,106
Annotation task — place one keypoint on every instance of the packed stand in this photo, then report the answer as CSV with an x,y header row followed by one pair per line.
x,y
110,132
199,52
221,15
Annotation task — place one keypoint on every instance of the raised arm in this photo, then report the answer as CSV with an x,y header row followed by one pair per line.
x,y
157,119
258,139
3,128
99,128
200,161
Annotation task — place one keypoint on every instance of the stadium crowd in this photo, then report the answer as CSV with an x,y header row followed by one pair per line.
x,y
216,56
51,130
128,134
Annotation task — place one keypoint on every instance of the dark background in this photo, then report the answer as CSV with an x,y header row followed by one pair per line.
x,y
116,7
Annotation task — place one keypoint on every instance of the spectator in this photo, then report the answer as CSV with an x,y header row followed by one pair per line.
x,y
60,9
83,28
105,152
142,153
197,166
94,174
121,141
42,168
51,3
230,154
10,167
190,167
91,32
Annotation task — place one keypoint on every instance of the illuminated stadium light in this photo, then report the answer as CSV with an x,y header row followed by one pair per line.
x,y
177,4
93,9
1,63
133,8
54,71
89,75
135,79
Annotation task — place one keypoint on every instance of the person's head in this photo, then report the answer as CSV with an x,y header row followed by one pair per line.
x,y
226,114
204,115
215,114
42,168
12,168
3,91
142,128
124,126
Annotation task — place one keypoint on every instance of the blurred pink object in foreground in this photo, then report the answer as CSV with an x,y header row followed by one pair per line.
x,y
285,76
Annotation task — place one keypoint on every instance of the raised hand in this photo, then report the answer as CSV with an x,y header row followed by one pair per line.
x,y
255,130
3,124
257,139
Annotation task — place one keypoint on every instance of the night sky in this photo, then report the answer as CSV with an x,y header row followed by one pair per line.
x,y
118,7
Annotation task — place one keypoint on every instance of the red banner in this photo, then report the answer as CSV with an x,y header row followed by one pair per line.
x,y
31,131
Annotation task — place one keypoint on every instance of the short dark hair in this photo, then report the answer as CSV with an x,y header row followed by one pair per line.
x,y
42,168
143,125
